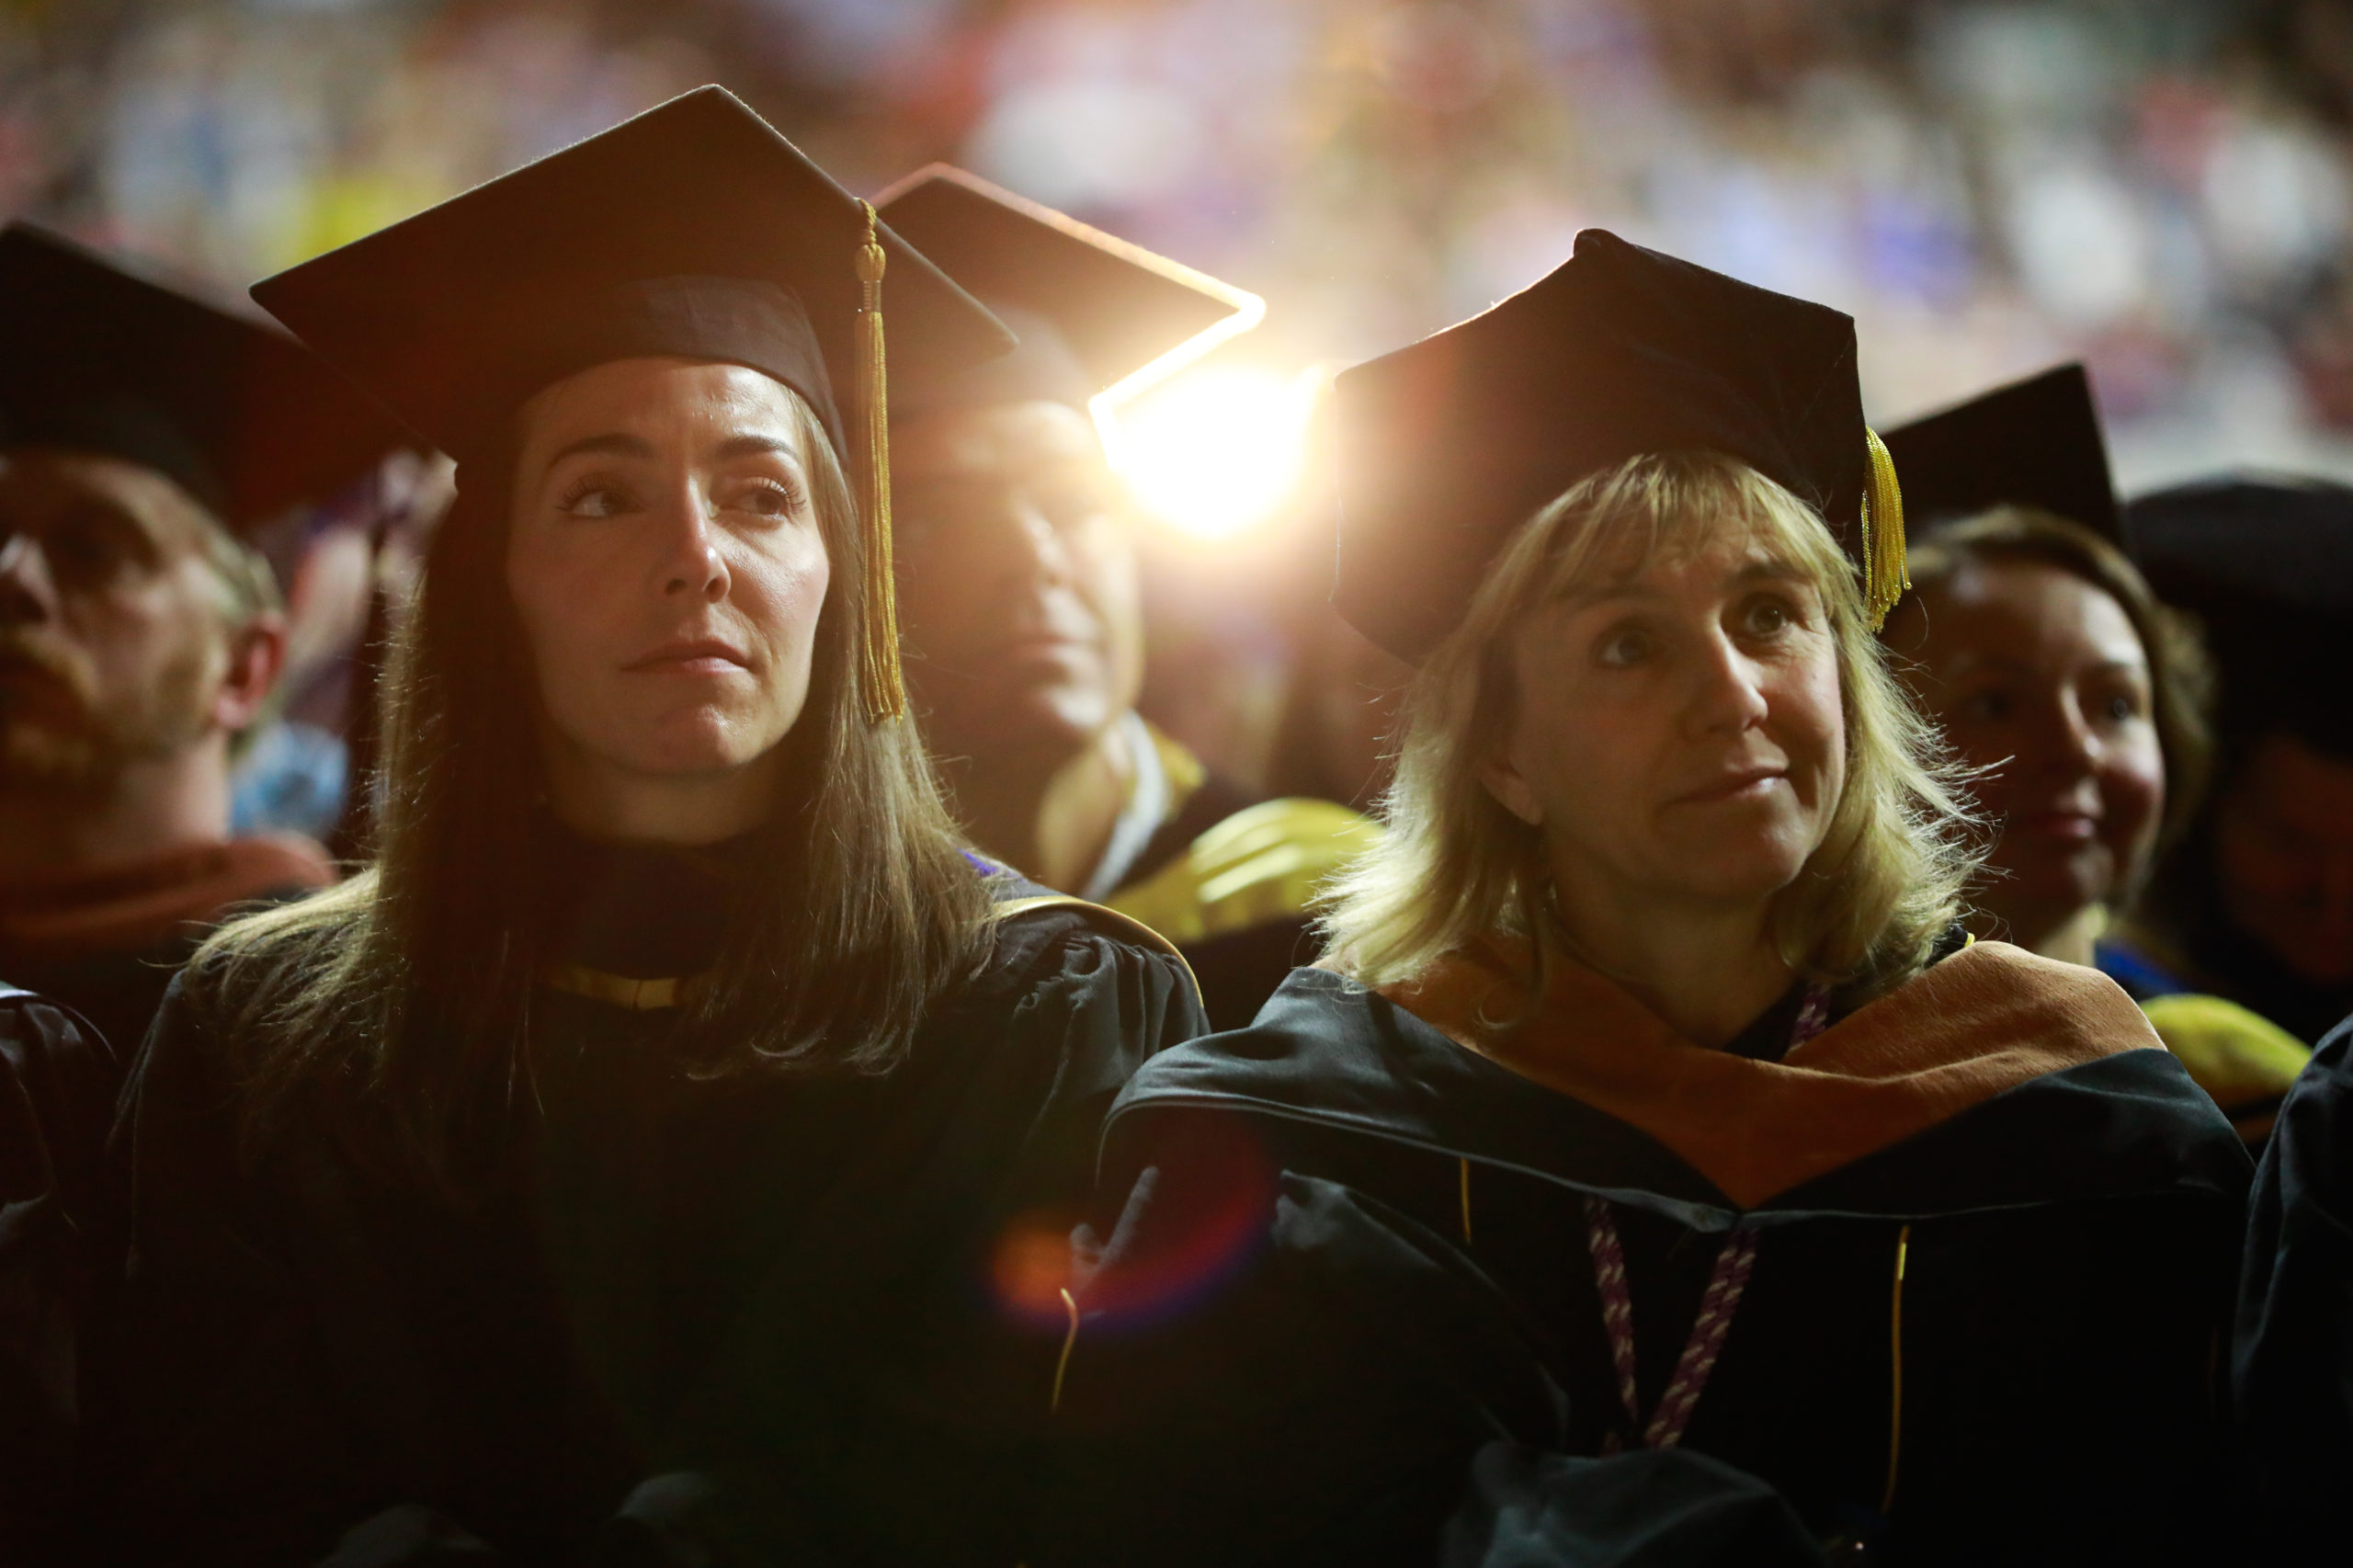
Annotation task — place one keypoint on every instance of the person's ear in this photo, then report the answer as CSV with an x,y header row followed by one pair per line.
x,y
1501,775
257,658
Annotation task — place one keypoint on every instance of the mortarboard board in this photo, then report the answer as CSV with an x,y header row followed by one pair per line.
x,y
693,230
98,355
2266,562
2035,442
1093,311
1447,446
2266,538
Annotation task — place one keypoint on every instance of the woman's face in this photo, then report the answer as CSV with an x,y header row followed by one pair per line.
x,y
1681,736
2038,676
667,567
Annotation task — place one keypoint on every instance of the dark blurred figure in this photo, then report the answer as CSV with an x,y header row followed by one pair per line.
x,y
56,1093
2292,1368
1022,603
2081,704
1340,715
143,433
2257,904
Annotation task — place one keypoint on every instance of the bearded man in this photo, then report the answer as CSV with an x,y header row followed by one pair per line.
x,y
144,434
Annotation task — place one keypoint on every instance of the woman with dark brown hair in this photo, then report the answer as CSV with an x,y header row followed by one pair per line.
x,y
623,1166
2079,702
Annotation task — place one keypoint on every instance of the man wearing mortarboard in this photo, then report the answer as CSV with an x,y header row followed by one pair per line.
x,y
1020,600
145,433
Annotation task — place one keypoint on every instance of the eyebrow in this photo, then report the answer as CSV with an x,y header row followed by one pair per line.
x,y
1771,571
1971,659
618,445
756,447
615,445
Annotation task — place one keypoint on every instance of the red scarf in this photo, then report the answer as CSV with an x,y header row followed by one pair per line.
x,y
128,908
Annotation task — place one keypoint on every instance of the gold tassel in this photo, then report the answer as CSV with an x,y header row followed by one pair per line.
x,y
1885,576
886,692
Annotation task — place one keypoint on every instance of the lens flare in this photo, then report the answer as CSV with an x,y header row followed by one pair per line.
x,y
1216,450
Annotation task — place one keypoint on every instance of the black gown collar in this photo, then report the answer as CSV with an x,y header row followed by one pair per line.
x,y
644,912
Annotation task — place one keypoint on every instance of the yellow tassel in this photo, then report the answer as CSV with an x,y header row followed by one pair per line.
x,y
1885,576
886,693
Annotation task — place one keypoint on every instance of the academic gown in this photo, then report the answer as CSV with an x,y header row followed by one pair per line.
x,y
56,1096
2292,1360
758,1319
1349,1314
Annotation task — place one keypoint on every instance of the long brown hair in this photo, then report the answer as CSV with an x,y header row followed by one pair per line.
x,y
399,1005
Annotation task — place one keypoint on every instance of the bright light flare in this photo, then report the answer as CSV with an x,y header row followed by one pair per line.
x,y
1217,449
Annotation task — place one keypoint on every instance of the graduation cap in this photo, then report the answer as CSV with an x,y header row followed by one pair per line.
x,y
695,230
2270,539
2036,443
2266,562
1447,446
1094,313
98,354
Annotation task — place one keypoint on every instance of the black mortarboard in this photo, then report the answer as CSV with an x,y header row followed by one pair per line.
x,y
2266,562
2032,443
98,356
693,230
1092,311
1449,446
2269,539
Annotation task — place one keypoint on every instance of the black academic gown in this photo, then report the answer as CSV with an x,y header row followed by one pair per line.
x,y
2292,1362
56,1096
747,1319
1347,1316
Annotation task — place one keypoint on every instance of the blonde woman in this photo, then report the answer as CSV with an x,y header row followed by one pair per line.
x,y
1654,1173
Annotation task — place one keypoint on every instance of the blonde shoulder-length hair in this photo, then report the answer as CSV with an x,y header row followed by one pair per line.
x,y
1456,868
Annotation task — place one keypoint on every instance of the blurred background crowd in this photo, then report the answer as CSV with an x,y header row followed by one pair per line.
x,y
2161,188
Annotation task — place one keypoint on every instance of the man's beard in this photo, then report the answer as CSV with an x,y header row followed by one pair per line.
x,y
76,737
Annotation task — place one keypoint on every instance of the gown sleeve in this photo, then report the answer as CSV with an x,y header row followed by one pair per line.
x,y
2293,1355
1277,1369
56,1098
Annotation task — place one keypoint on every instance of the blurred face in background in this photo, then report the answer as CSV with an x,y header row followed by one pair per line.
x,y
1018,592
2283,855
2037,677
667,566
1681,736
117,636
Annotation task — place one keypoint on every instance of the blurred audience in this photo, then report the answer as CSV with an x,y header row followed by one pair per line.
x,y
2161,188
